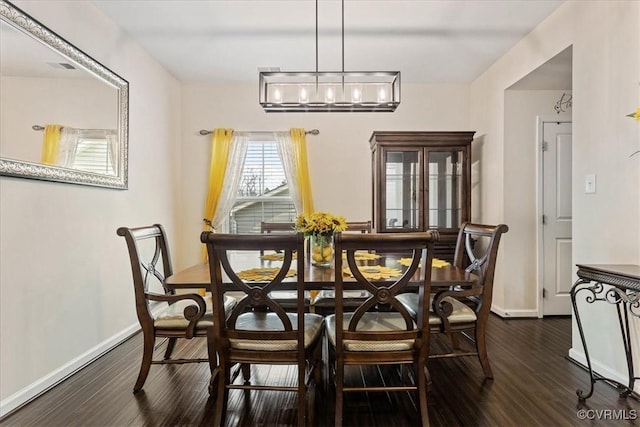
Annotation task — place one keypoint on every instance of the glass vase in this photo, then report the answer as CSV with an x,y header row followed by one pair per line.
x,y
322,250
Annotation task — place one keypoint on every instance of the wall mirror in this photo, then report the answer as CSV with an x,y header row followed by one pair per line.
x,y
44,80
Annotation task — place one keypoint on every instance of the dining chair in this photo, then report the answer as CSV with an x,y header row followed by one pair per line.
x,y
268,227
161,312
324,300
461,310
286,298
259,330
361,226
369,335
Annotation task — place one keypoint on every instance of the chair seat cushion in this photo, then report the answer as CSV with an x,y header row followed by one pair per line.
x,y
172,317
262,321
461,313
372,321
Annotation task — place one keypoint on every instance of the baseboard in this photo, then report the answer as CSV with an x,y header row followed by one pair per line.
x,y
514,314
600,369
35,389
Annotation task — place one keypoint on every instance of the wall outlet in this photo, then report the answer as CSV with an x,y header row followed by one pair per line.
x,y
590,183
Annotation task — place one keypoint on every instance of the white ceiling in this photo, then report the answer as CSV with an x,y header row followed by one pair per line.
x,y
428,41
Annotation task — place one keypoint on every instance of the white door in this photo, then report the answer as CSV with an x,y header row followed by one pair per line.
x,y
556,209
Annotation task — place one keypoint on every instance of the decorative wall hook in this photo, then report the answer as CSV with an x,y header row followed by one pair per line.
x,y
564,103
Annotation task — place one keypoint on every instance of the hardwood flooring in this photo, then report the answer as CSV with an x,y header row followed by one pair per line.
x,y
534,385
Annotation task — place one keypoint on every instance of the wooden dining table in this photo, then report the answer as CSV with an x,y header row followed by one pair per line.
x,y
315,277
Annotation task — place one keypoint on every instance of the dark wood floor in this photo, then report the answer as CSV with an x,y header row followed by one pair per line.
x,y
534,385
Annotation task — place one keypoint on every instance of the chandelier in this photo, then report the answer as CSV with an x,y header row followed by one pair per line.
x,y
329,91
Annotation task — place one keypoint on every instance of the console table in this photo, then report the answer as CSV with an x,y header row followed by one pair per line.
x,y
624,293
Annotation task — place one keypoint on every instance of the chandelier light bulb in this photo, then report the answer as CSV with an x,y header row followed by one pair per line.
x,y
330,95
382,95
304,96
356,95
277,96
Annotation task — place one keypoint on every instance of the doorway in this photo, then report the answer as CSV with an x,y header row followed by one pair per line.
x,y
555,211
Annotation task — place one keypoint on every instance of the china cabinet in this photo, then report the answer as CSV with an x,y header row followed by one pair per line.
x,y
422,180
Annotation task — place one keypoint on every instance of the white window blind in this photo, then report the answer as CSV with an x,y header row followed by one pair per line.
x,y
263,194
92,155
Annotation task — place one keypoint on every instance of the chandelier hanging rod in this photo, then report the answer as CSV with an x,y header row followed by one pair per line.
x,y
329,91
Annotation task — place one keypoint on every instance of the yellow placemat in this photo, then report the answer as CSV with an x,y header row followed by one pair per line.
x,y
275,257
262,274
362,256
436,263
374,272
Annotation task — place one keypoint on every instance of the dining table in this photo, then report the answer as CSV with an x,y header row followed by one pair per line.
x,y
317,278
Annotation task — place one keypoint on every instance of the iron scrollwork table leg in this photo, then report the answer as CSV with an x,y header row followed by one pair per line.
x,y
627,303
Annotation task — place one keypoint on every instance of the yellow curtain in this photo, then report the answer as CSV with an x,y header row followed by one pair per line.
x,y
299,139
220,147
50,144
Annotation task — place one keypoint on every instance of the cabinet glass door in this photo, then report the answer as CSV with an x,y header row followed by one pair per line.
x,y
402,195
445,188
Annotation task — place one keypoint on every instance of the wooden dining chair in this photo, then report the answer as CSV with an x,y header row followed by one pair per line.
x,y
269,227
161,312
359,226
259,330
460,310
370,335
324,300
286,298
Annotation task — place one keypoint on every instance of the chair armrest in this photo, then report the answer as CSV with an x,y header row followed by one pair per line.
x,y
443,308
193,313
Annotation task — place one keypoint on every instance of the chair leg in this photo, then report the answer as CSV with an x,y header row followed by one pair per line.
x,y
171,345
246,373
455,342
318,363
423,379
339,380
302,395
481,348
147,355
213,363
224,376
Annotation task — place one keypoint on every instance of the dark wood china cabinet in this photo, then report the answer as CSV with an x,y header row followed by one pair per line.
x,y
422,180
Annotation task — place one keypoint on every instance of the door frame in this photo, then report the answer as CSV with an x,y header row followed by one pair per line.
x,y
540,121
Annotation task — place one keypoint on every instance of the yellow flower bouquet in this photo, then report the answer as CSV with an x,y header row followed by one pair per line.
x,y
320,226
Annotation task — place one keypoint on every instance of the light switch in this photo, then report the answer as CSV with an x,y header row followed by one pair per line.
x,y
590,183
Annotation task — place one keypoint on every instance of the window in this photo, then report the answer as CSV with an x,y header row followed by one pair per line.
x,y
89,150
263,193
92,155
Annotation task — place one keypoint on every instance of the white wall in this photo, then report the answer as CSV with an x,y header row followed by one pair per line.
x,y
605,36
65,282
339,158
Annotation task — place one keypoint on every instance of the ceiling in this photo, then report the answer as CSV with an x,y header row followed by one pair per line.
x,y
428,41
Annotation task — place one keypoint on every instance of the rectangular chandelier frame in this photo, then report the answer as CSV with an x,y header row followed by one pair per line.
x,y
346,91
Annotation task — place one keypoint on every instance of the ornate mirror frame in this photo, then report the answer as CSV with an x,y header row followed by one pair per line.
x,y
24,169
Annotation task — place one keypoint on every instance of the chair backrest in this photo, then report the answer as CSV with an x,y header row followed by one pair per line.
x,y
232,254
268,227
150,264
361,226
478,244
419,246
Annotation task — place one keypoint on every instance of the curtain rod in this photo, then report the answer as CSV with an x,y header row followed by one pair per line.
x,y
312,131
41,128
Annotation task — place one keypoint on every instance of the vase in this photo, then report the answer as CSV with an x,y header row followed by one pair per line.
x,y
322,250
